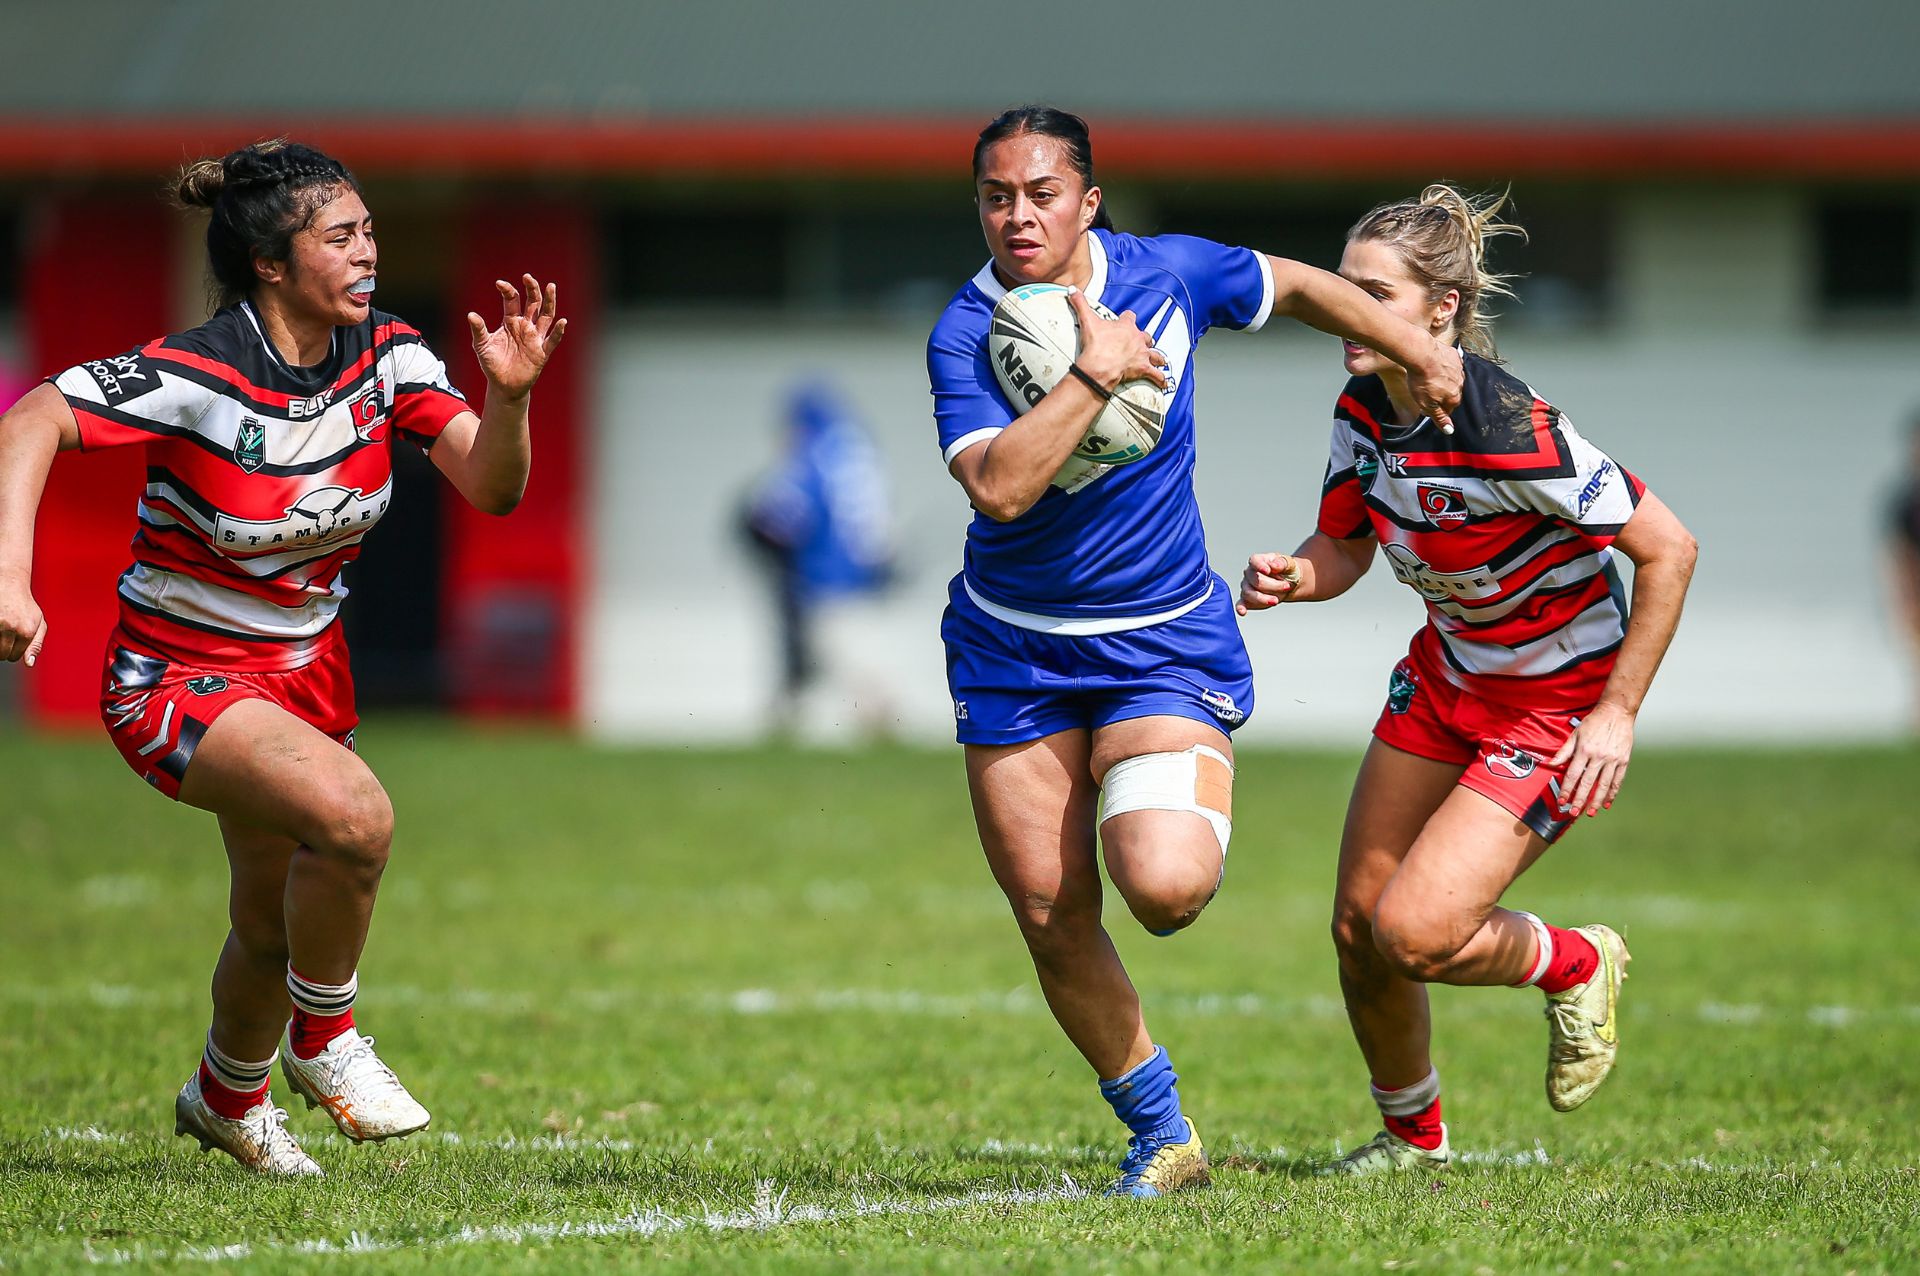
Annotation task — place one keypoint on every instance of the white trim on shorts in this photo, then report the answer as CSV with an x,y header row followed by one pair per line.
x,y
1080,626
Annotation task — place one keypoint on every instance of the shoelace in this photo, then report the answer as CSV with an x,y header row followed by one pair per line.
x,y
1572,1024
1140,1154
270,1131
379,1080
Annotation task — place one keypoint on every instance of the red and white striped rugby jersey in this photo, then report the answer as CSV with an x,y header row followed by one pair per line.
x,y
1502,527
262,477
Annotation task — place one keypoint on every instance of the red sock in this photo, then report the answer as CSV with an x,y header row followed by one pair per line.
x,y
1573,962
311,1033
1422,1128
228,1102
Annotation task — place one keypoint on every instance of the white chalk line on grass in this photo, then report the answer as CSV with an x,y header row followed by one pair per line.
x,y
768,1212
913,1003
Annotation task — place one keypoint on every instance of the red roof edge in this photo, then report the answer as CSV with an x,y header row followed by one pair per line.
x,y
766,147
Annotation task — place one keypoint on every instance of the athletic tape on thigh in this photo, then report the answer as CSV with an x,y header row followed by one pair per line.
x,y
1199,779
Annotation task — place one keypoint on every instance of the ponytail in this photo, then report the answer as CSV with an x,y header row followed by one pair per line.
x,y
1442,239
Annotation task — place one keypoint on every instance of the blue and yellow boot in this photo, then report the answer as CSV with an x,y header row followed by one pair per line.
x,y
1165,1154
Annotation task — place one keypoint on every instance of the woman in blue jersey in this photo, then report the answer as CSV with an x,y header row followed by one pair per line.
x,y
1091,651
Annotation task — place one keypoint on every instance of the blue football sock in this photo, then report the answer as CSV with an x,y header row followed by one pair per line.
x,y
1147,1100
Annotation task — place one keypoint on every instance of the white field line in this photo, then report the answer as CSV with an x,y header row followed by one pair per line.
x,y
913,1003
768,1211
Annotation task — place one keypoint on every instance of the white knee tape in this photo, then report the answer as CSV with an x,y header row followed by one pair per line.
x,y
1199,780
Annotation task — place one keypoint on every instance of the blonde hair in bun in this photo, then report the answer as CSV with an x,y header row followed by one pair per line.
x,y
1442,239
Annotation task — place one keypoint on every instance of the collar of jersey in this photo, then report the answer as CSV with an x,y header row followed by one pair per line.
x,y
990,286
273,353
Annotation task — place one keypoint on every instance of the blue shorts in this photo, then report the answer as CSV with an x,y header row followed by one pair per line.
x,y
1011,685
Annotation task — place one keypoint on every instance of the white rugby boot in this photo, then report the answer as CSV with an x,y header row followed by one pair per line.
x,y
1387,1152
1583,1032
358,1091
258,1140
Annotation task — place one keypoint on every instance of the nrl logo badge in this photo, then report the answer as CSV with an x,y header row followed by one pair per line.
x,y
1366,467
209,685
250,445
1400,690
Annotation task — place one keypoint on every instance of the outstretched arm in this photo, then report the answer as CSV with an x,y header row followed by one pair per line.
x,y
1663,553
1903,566
1320,569
1325,301
488,457
40,425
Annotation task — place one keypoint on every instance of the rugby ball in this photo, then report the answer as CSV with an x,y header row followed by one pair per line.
x,y
1031,342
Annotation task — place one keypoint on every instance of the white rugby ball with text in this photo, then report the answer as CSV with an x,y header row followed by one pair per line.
x,y
1033,338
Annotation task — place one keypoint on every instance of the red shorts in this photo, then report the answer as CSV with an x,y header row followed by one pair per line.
x,y
1503,748
157,709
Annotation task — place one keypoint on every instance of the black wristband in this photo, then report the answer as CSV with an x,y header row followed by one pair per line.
x,y
1106,395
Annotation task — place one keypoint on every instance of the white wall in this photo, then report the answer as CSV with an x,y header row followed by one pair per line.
x,y
1774,442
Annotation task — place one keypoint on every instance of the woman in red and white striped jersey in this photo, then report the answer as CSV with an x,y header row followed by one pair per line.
x,y
268,433
1513,711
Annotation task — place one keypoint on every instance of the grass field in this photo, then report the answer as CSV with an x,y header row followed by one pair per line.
x,y
752,1011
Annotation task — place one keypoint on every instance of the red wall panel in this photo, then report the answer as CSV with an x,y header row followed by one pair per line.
x,y
513,586
98,281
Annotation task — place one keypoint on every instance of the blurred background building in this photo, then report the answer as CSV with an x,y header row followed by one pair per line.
x,y
1723,289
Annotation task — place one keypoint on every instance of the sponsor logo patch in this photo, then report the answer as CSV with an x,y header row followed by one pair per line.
x,y
207,685
1221,706
1410,569
959,710
1595,485
122,376
318,516
1401,688
1510,762
1445,507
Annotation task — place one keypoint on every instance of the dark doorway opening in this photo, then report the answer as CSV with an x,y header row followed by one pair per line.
x,y
392,612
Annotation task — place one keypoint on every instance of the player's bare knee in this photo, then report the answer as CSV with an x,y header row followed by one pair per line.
x,y
1055,929
1415,947
1172,900
358,829
1353,938
261,941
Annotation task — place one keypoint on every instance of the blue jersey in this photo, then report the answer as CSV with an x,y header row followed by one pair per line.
x,y
1127,549
827,503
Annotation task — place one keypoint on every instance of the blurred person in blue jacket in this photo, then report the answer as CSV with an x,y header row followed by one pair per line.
x,y
823,520
1903,548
